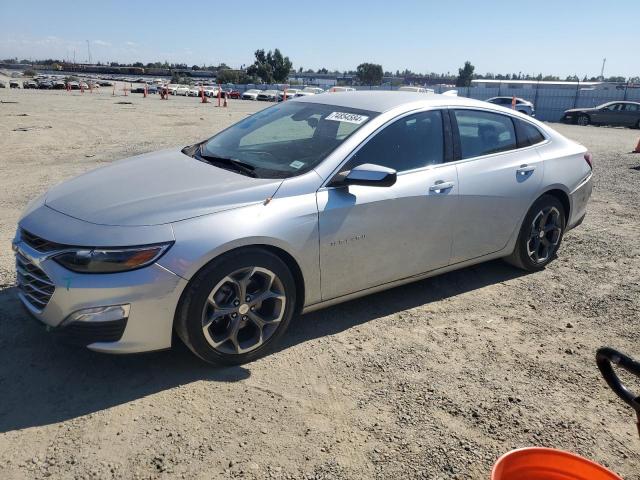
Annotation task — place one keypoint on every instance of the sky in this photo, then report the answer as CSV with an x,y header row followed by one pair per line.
x,y
559,37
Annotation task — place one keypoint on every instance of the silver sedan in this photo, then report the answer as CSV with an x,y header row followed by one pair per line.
x,y
305,204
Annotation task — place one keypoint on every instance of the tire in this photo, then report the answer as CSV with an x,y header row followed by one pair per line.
x,y
583,120
233,335
532,251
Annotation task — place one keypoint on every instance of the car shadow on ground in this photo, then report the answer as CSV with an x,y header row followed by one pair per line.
x,y
43,381
355,312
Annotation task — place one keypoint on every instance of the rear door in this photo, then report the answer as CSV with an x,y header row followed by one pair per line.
x,y
631,114
498,178
373,235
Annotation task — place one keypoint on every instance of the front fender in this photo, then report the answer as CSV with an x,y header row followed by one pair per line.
x,y
287,224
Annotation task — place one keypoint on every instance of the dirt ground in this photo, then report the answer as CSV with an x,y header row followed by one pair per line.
x,y
434,380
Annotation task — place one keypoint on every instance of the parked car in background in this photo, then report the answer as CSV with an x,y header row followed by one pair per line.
x,y
27,84
290,93
14,84
211,91
622,114
309,91
194,92
231,93
295,208
45,84
341,89
522,105
74,85
140,89
268,95
410,88
59,85
251,94
105,83
182,90
2,85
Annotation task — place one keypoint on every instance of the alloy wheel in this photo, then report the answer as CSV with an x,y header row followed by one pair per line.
x,y
583,120
546,231
243,310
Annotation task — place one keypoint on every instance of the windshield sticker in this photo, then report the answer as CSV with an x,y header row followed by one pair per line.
x,y
297,164
347,117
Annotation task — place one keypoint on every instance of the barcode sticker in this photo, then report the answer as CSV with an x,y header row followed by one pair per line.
x,y
347,117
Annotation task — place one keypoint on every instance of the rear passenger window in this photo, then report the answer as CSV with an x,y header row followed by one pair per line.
x,y
414,141
527,134
483,133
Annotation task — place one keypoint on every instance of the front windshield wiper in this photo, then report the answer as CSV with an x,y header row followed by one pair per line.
x,y
237,165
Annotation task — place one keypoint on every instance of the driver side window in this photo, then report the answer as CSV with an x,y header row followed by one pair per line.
x,y
414,141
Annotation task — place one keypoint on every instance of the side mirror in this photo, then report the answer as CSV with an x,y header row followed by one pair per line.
x,y
367,174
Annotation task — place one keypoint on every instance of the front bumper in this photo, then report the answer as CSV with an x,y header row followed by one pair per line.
x,y
152,294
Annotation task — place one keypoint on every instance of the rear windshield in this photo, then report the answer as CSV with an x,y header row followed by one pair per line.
x,y
287,139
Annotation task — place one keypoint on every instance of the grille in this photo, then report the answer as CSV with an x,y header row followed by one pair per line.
x,y
33,283
38,243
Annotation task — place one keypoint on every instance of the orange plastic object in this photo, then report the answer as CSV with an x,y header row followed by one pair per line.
x,y
539,463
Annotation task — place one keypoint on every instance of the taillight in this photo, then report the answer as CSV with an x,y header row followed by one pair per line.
x,y
589,159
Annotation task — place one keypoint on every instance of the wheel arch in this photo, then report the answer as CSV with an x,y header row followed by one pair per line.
x,y
563,197
283,254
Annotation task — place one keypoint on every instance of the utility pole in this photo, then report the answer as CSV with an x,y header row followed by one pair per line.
x,y
604,60
89,52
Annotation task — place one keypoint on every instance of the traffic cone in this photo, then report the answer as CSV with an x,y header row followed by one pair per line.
x,y
219,94
145,91
113,94
225,101
637,150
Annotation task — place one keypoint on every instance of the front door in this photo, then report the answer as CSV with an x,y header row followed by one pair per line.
x,y
374,235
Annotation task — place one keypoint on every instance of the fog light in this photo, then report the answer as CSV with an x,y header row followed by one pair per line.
x,y
99,314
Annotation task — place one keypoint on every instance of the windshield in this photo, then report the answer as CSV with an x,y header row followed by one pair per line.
x,y
287,139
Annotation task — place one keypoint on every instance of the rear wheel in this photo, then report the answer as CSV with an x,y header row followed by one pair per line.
x,y
584,120
540,235
237,307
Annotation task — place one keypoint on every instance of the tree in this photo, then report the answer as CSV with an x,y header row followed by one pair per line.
x,y
270,67
227,76
369,74
465,75
323,70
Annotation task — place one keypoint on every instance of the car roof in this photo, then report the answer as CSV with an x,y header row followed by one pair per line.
x,y
382,101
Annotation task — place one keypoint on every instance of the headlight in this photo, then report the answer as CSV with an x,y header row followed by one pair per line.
x,y
111,260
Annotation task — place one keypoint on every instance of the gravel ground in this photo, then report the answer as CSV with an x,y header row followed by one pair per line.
x,y
433,380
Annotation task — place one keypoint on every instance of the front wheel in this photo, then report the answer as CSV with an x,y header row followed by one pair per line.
x,y
237,307
540,235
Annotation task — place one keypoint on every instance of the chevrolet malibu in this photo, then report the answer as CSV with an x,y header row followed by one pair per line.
x,y
302,205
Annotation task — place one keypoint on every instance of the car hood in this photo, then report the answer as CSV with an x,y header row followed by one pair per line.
x,y
156,188
578,110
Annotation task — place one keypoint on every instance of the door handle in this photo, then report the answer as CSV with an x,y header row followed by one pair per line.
x,y
440,186
524,169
